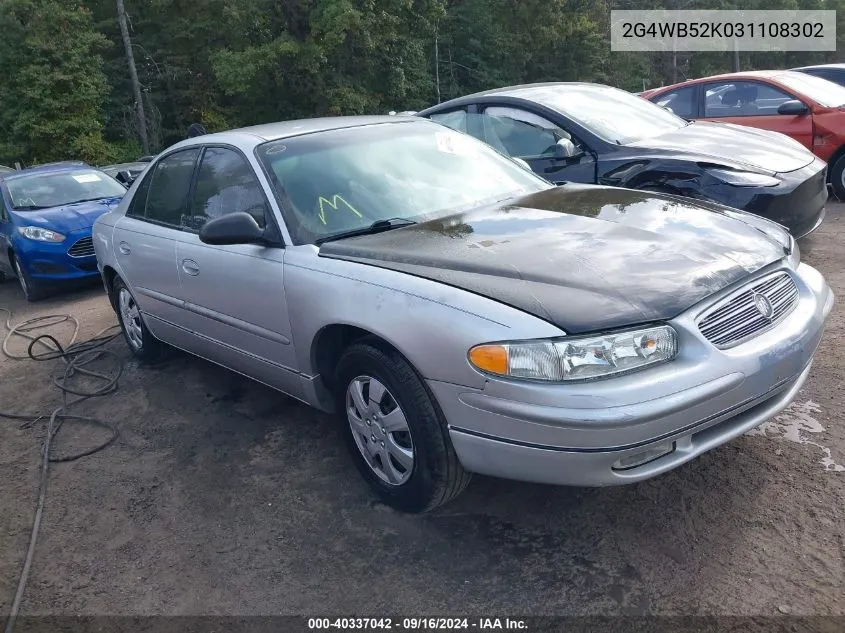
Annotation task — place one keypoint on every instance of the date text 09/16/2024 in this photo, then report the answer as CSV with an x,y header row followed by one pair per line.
x,y
417,624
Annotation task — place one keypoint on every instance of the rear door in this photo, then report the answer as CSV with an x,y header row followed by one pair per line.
x,y
144,240
755,104
234,294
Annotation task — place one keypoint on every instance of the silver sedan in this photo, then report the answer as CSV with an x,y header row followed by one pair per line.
x,y
456,312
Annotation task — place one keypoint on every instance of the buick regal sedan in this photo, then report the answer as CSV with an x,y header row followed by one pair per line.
x,y
457,312
579,132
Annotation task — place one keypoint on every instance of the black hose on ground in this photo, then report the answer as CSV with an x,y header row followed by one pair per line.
x,y
78,359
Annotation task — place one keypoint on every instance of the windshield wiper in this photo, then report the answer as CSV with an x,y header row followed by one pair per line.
x,y
67,204
29,207
378,226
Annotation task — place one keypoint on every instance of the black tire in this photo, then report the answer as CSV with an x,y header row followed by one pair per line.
x,y
149,349
436,476
837,178
32,290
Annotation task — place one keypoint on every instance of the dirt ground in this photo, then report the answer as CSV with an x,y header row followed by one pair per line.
x,y
224,497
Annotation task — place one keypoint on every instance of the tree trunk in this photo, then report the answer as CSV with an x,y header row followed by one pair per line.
x,y
133,76
437,63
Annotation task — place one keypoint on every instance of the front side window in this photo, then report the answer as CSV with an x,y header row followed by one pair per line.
x,y
339,180
742,98
225,184
521,134
171,181
59,188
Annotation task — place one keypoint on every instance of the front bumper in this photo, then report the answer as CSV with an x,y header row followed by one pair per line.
x,y
51,263
797,202
574,433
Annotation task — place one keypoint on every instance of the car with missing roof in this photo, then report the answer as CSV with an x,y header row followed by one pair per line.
x,y
590,133
458,313
46,215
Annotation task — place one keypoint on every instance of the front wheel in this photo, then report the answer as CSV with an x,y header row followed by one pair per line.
x,y
837,178
395,431
31,289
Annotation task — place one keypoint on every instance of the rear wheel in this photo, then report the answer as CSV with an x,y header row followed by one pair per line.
x,y
395,431
837,178
31,289
142,344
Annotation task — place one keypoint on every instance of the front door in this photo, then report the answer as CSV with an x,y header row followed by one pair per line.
x,y
523,134
234,295
755,104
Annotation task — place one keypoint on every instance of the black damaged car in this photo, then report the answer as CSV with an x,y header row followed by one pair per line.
x,y
589,133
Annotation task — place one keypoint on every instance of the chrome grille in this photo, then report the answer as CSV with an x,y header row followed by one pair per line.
x,y
82,248
738,318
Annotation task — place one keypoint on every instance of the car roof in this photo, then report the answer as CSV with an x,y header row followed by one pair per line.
x,y
748,74
529,92
46,168
257,134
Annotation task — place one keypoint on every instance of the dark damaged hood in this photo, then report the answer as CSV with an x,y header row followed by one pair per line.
x,y
735,146
582,257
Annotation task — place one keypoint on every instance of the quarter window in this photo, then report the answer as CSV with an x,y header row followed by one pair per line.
x,y
138,204
225,184
171,181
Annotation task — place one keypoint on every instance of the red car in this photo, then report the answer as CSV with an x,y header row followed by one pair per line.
x,y
809,109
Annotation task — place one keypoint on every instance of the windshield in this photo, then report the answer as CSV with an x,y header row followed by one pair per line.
x,y
337,181
58,188
822,91
611,114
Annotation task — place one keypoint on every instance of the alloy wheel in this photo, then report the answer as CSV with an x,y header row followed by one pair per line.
x,y
130,316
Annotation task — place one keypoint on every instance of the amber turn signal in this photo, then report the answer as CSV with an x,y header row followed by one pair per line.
x,y
490,358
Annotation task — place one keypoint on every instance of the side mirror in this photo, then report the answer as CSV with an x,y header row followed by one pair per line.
x,y
793,106
125,177
234,228
566,149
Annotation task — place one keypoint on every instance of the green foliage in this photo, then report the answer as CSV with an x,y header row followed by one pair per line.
x,y
51,99
225,63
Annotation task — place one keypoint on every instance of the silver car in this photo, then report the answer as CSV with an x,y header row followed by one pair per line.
x,y
458,313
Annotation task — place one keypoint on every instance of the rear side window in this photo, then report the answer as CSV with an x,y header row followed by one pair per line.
x,y
225,184
456,119
171,182
681,102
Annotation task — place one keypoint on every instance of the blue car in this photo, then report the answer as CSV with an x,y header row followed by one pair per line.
x,y
46,215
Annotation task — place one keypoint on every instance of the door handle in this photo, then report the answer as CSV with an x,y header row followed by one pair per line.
x,y
191,267
123,247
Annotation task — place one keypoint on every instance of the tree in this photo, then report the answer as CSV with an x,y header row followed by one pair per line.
x,y
50,104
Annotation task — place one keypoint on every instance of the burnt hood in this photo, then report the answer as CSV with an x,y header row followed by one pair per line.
x,y
583,257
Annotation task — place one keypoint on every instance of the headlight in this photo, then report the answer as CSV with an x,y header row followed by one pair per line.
x,y
40,235
577,357
744,178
